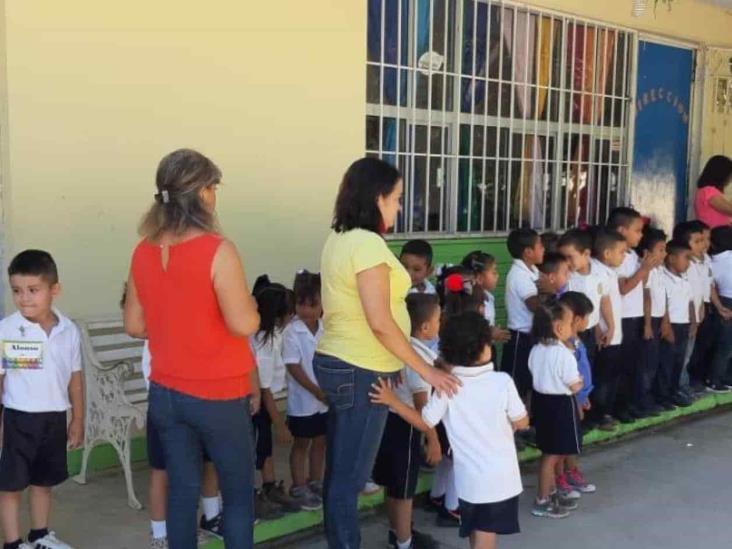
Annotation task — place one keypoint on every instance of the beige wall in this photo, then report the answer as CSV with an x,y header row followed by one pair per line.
x,y
98,91
272,90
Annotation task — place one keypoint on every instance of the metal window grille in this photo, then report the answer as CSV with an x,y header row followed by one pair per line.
x,y
498,115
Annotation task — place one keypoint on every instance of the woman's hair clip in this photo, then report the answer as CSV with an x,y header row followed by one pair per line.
x,y
456,284
163,196
301,271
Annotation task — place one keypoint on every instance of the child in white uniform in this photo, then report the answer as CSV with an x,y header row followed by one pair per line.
x,y
480,421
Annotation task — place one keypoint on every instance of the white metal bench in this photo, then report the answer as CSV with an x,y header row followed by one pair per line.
x,y
116,395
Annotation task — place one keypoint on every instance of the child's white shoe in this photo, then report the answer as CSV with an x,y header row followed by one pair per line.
x,y
50,541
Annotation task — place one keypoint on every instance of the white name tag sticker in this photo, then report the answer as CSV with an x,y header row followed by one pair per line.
x,y
22,355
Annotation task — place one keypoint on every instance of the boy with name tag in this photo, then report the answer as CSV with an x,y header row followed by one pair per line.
x,y
40,380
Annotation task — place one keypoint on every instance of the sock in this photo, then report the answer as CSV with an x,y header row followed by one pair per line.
x,y
404,544
159,529
13,544
35,535
211,507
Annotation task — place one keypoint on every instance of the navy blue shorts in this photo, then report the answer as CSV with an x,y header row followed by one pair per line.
x,y
34,450
500,517
155,453
398,461
308,426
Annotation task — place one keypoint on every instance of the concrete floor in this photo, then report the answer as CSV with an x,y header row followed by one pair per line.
x,y
669,490
666,489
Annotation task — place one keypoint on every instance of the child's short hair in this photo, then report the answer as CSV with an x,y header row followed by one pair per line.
x,y
520,240
306,287
549,311
552,262
421,307
685,229
577,302
605,240
478,261
721,239
622,217
34,263
579,239
464,337
420,248
550,240
676,246
275,302
651,237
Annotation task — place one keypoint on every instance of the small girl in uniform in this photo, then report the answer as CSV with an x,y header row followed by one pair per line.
x,y
307,412
275,309
486,275
556,379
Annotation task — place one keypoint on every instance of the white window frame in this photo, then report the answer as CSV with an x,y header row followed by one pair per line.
x,y
521,128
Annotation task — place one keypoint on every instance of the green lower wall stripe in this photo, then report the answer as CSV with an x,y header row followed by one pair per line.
x,y
104,457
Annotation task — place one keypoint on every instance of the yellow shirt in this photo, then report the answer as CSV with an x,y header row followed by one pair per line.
x,y
347,335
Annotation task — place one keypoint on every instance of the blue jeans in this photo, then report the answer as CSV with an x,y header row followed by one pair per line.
x,y
355,426
188,424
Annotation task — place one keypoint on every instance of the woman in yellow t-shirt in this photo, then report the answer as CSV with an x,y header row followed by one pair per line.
x,y
366,331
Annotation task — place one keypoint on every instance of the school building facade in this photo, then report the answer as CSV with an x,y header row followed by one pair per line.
x,y
500,114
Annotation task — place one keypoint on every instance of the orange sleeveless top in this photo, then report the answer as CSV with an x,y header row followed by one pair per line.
x,y
192,350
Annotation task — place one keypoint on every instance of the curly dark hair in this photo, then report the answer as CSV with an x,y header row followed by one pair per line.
x,y
464,337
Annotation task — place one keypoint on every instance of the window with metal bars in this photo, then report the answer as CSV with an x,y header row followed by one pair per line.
x,y
498,115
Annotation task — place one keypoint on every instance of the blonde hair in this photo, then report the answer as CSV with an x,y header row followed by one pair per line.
x,y
178,206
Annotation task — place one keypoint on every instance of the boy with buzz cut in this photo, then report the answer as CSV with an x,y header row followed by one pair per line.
x,y
416,256
632,277
40,380
522,299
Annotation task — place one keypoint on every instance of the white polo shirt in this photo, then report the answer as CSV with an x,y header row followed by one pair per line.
x,y
699,280
298,347
429,288
708,271
553,368
478,424
412,383
592,285
678,296
520,286
722,273
633,300
489,308
38,366
270,366
609,279
657,289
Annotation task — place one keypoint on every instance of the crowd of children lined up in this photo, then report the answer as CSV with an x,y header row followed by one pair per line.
x,y
604,325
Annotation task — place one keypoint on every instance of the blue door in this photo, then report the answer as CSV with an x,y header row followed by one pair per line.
x,y
661,150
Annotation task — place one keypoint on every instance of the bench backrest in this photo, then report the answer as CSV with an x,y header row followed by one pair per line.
x,y
105,344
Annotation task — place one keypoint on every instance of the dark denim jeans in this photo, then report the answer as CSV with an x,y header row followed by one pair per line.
x,y
224,428
355,426
722,354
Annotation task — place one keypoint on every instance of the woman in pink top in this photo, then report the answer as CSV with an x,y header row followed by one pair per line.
x,y
710,204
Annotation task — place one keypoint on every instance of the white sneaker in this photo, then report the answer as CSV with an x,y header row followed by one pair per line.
x,y
50,541
370,488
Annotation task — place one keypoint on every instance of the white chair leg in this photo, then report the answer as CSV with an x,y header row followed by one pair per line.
x,y
123,451
81,477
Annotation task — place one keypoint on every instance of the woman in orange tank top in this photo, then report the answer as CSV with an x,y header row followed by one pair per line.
x,y
188,296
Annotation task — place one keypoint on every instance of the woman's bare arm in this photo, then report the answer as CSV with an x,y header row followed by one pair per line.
x,y
374,291
134,317
230,284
